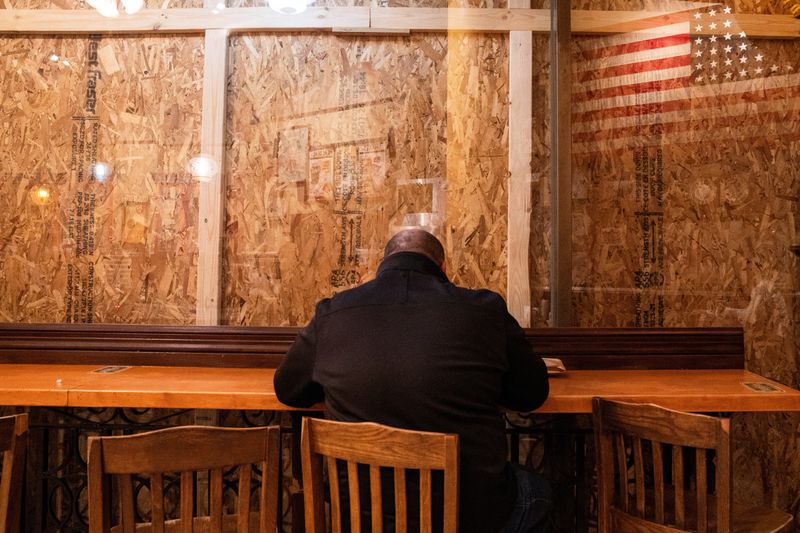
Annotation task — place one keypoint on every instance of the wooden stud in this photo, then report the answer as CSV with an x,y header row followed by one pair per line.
x,y
212,145
520,109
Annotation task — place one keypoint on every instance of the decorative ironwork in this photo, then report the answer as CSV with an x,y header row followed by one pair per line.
x,y
559,447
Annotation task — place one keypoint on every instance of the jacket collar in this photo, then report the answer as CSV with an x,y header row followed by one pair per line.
x,y
411,261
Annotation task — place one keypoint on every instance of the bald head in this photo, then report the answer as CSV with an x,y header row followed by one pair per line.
x,y
417,241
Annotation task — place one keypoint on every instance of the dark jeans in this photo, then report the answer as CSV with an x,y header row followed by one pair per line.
x,y
534,500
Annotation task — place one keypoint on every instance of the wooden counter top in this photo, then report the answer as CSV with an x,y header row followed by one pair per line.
x,y
251,388
684,390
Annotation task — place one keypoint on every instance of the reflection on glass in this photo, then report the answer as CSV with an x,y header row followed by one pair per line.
x,y
40,195
289,7
107,8
101,171
132,6
203,167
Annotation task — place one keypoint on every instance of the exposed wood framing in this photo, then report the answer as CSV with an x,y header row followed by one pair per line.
x,y
520,74
360,19
212,144
561,166
519,21
461,19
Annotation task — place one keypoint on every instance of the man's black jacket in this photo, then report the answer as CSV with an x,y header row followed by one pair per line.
x,y
411,350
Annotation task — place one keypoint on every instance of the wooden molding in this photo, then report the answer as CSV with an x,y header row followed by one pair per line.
x,y
255,347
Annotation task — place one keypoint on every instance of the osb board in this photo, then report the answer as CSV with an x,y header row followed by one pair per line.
x,y
337,142
117,250
689,224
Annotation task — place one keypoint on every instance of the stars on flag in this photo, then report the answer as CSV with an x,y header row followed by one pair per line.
x,y
714,63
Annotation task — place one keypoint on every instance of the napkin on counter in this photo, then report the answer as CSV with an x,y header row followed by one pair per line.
x,y
554,366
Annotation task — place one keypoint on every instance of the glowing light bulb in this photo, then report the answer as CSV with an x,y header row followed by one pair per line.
x,y
66,62
54,58
203,167
132,6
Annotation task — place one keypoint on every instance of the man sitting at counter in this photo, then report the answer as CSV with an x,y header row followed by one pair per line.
x,y
411,350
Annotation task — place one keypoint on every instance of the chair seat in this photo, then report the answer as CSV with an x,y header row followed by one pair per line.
x,y
761,520
754,519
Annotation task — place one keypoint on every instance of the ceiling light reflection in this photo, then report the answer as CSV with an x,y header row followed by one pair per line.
x,y
40,194
132,6
203,167
289,7
101,171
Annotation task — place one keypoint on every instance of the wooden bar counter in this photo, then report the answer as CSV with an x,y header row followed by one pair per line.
x,y
717,390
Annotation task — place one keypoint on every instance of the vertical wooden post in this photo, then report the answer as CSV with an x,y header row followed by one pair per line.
x,y
211,208
520,108
561,163
211,215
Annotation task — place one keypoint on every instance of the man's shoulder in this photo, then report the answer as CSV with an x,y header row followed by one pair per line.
x,y
482,297
347,298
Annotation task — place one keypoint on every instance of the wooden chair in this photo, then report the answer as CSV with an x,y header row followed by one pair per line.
x,y
652,502
13,444
377,446
185,450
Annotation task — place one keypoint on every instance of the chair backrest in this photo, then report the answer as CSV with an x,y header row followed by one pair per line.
x,y
13,444
377,446
644,438
184,451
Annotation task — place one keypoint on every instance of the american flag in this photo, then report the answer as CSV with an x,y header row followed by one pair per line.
x,y
690,76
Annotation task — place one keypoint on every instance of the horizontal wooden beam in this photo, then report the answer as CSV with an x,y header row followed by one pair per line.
x,y
462,19
608,22
191,20
364,20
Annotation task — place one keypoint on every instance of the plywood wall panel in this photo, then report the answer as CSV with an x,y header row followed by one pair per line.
x,y
337,142
78,246
689,224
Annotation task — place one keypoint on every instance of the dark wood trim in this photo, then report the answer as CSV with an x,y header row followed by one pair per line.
x,y
561,162
255,347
